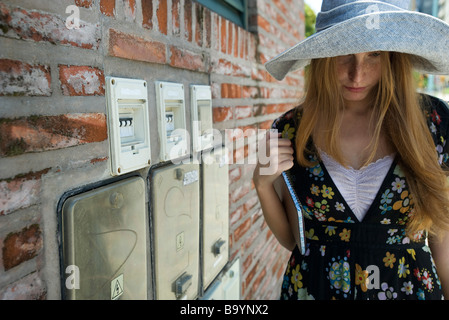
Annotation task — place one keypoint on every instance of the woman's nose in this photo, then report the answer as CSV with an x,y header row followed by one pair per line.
x,y
356,71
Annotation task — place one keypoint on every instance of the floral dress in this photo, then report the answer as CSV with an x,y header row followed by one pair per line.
x,y
369,260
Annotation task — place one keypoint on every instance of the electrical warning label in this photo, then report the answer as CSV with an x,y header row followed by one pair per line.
x,y
117,287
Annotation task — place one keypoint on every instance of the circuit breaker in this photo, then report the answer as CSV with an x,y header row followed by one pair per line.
x,y
175,217
215,213
128,124
172,120
201,102
104,239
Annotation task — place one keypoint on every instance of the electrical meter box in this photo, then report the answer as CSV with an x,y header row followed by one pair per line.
x,y
172,120
104,238
215,213
175,224
202,123
128,123
227,286
231,282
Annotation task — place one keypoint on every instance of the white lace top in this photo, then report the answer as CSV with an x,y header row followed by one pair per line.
x,y
358,187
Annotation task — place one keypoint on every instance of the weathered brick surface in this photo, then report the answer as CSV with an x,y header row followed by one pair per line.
x,y
21,246
81,80
37,26
186,59
19,78
107,7
128,46
20,192
41,133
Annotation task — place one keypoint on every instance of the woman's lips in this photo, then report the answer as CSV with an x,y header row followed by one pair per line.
x,y
355,89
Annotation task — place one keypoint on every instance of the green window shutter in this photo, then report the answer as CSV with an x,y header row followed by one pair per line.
x,y
233,10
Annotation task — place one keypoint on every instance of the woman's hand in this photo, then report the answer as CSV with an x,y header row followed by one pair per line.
x,y
279,158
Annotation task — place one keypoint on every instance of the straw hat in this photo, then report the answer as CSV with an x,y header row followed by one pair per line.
x,y
354,26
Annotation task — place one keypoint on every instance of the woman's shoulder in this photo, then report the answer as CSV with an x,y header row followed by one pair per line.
x,y
287,123
437,109
437,113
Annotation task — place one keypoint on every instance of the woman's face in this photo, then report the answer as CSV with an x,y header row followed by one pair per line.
x,y
358,74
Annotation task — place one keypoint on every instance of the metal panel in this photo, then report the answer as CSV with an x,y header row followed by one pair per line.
x,y
231,282
104,240
215,214
175,220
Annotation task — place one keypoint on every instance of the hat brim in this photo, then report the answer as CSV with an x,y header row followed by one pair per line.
x,y
421,35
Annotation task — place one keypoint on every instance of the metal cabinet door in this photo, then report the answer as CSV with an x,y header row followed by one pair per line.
x,y
215,214
104,234
175,221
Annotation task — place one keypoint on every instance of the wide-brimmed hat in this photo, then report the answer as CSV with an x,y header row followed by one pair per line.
x,y
354,26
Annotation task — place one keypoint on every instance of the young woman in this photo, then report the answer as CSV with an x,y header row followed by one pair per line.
x,y
365,153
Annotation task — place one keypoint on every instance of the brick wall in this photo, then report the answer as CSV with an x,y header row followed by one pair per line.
x,y
53,128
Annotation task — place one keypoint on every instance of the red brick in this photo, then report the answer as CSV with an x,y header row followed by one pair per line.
x,y
236,216
188,20
240,192
20,192
236,41
242,112
18,78
83,3
185,59
231,90
33,25
207,27
21,246
162,15
128,46
147,14
234,175
225,67
266,125
41,133
175,12
221,114
251,203
199,24
250,92
231,28
223,27
107,7
242,229
250,275
81,80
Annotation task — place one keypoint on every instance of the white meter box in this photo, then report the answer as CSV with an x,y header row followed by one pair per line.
x,y
172,120
175,223
202,123
215,204
227,286
104,238
128,123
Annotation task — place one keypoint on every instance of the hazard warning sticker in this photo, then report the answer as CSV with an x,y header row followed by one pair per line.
x,y
117,287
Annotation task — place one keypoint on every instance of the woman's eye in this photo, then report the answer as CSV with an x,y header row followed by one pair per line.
x,y
375,54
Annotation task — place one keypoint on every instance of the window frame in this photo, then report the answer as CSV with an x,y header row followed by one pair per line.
x,y
235,11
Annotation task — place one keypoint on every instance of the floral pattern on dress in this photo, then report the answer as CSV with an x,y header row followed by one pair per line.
x,y
371,259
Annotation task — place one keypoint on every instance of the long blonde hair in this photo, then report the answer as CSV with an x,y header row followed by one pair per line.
x,y
398,113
